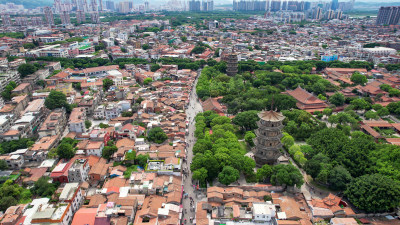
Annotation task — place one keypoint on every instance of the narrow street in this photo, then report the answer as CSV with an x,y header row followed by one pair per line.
x,y
193,108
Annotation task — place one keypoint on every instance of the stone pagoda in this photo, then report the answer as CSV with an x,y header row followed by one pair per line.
x,y
232,64
268,141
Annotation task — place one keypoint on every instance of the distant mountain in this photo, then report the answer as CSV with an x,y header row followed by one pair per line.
x,y
29,4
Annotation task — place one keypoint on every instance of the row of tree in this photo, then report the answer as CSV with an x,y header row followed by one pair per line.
x,y
218,152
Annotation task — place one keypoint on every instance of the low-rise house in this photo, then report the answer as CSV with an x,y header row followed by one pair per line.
x,y
79,171
23,88
5,122
45,143
99,171
60,214
87,147
13,214
129,131
14,162
77,120
72,194
16,107
54,124
100,112
33,175
60,172
123,145
343,221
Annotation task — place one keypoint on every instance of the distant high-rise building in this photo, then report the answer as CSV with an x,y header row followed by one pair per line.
x,y
275,6
208,5
93,5
194,5
80,6
80,16
85,6
146,6
49,16
37,21
284,5
330,14
335,4
291,5
21,21
101,5
317,13
95,17
65,18
246,5
74,4
57,6
307,5
338,15
110,5
124,7
388,15
6,20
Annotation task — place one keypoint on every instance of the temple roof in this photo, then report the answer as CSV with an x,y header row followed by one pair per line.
x,y
271,115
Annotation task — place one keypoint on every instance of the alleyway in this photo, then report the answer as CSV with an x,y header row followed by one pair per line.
x,y
193,108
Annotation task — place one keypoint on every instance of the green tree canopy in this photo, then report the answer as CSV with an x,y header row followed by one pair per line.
x,y
358,78
157,135
107,83
65,151
154,67
3,165
29,46
374,193
56,99
264,173
141,160
246,120
286,175
88,124
360,104
249,136
339,177
228,175
108,151
44,188
6,94
337,99
200,175
26,69
147,81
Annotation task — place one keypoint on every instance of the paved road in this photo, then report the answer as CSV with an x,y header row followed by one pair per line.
x,y
307,189
193,108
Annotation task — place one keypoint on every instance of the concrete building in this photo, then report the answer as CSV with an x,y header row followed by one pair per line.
x,y
110,5
65,18
194,5
6,20
79,171
80,16
388,15
72,194
49,16
77,120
